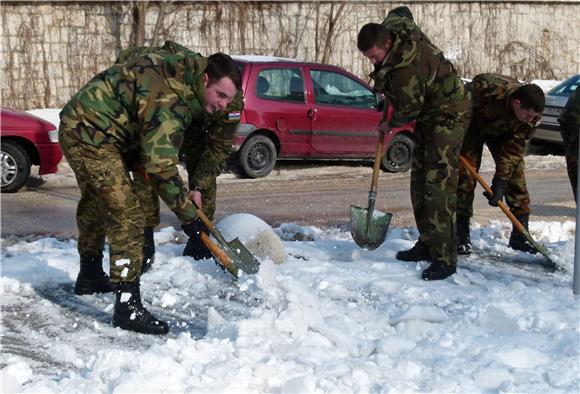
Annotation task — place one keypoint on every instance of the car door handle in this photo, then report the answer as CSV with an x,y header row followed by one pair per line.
x,y
312,113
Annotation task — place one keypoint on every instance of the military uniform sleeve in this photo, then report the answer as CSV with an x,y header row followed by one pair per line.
x,y
203,168
407,94
511,150
160,143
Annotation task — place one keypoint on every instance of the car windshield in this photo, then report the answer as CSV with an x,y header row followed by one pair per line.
x,y
566,88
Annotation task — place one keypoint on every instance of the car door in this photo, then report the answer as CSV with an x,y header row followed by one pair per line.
x,y
344,114
280,106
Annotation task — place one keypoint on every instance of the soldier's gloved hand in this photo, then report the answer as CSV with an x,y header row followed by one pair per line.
x,y
194,227
498,188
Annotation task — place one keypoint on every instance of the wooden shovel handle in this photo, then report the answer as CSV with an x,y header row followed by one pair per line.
x,y
378,151
519,227
219,254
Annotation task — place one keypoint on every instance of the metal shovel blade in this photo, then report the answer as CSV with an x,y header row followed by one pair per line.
x,y
367,234
241,256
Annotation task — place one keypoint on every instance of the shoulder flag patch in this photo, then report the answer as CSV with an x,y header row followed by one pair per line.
x,y
234,115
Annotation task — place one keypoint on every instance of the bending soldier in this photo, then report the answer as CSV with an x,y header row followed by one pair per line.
x,y
570,128
421,84
144,105
505,113
208,144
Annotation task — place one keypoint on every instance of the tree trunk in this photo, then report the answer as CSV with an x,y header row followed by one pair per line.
x,y
139,14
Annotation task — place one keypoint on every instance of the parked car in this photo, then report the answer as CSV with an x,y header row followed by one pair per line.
x,y
297,110
26,140
556,98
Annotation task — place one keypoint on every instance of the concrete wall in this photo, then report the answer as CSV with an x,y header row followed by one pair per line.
x,y
50,49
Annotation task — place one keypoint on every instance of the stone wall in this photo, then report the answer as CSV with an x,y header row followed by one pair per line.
x,y
51,48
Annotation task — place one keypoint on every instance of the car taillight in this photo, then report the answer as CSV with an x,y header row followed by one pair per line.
x,y
53,136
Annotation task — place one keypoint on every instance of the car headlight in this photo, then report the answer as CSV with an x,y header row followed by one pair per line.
x,y
53,136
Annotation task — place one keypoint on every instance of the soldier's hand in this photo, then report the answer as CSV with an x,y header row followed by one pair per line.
x,y
194,228
498,188
196,197
385,127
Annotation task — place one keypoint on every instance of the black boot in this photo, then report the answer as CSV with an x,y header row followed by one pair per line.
x,y
148,250
196,249
92,279
131,315
419,251
518,241
463,238
438,270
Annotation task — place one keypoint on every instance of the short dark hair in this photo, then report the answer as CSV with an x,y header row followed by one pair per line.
x,y
401,11
370,35
531,96
220,65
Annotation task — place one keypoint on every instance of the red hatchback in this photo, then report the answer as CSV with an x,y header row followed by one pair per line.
x,y
296,110
26,140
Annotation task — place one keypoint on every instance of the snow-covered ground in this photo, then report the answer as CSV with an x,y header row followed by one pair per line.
x,y
332,318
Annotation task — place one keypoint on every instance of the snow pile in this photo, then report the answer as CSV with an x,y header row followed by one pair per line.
x,y
333,318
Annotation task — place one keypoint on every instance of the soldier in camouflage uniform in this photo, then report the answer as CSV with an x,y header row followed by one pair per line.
x,y
505,113
421,84
204,152
142,106
570,128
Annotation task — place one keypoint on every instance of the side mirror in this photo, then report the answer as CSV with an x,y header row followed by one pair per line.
x,y
380,103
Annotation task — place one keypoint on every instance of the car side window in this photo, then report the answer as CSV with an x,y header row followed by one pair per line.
x,y
338,89
284,84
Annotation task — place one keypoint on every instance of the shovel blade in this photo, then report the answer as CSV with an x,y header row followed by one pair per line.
x,y
369,231
242,257
539,247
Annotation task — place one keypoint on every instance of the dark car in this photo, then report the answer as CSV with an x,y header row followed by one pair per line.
x,y
556,98
297,110
26,140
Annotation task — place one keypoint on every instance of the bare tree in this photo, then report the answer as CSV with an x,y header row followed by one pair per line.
x,y
332,27
139,15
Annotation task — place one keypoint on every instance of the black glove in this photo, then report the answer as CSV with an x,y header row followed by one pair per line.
x,y
194,227
498,188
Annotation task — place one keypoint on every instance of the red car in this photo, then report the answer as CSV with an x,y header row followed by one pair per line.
x,y
296,110
26,140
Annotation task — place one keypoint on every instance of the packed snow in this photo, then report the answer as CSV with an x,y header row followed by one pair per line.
x,y
332,318
326,316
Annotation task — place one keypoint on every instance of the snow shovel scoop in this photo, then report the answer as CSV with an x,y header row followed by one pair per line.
x,y
517,225
369,226
233,255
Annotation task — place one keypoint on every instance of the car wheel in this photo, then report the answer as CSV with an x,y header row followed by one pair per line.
x,y
15,167
398,155
258,156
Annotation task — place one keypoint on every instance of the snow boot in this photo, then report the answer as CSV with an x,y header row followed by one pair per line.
x,y
148,250
463,239
518,241
419,251
196,249
92,279
131,315
437,271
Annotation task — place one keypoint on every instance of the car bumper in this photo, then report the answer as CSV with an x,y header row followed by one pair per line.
x,y
50,156
242,132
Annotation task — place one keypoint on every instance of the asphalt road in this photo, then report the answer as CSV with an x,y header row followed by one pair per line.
x,y
319,194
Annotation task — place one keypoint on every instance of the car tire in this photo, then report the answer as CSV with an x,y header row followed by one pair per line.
x,y
399,154
15,167
258,156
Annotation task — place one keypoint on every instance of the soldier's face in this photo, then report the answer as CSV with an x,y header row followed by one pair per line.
x,y
218,94
526,115
378,53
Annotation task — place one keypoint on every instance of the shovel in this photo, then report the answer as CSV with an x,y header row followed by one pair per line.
x,y
369,226
233,255
517,225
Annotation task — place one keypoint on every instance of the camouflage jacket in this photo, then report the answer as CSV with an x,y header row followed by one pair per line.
x,y
571,112
416,78
145,104
494,119
209,139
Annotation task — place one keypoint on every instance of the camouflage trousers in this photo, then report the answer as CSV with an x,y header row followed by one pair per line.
x,y
516,195
434,184
150,199
109,207
570,133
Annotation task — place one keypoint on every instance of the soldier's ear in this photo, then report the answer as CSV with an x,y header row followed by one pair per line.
x,y
205,79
